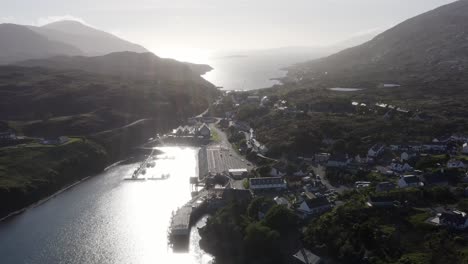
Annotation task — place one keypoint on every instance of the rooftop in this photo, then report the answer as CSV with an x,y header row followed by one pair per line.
x,y
268,180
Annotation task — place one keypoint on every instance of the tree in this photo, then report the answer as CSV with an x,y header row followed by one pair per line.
x,y
281,218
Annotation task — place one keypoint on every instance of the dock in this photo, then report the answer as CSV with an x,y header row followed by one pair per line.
x,y
180,225
183,219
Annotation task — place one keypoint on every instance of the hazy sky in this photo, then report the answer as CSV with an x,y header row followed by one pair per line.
x,y
165,25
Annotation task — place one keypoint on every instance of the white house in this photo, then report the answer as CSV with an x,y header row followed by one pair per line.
x,y
258,147
455,164
376,150
314,206
409,181
277,172
407,155
455,219
271,183
465,148
398,166
282,201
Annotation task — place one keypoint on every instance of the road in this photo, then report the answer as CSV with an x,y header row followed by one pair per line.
x,y
320,171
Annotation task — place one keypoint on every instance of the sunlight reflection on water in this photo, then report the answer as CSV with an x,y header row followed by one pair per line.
x,y
107,219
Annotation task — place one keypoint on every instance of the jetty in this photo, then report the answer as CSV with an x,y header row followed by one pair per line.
x,y
141,170
206,202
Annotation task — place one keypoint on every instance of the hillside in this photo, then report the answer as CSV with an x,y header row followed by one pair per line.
x,y
92,42
127,65
56,102
429,49
20,43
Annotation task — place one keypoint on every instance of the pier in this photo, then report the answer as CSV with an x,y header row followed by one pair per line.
x,y
207,202
182,220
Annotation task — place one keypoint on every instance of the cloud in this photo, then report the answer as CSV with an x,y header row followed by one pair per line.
x,y
51,19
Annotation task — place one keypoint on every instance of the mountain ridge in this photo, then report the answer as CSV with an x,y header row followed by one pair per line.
x,y
93,42
63,38
430,47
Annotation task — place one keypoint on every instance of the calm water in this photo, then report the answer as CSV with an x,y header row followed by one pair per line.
x,y
251,71
107,220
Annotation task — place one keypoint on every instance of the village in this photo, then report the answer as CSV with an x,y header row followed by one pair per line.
x,y
313,185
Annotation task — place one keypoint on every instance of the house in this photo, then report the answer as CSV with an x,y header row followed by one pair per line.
x,y
258,147
56,141
358,159
385,186
456,219
338,161
204,131
265,100
300,173
407,155
381,201
376,150
277,171
315,206
270,183
465,148
455,164
282,201
409,181
304,256
435,179
238,174
400,167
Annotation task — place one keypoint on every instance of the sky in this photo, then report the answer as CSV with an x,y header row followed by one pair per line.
x,y
165,26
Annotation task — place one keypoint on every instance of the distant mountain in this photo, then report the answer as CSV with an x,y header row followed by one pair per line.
x,y
429,48
20,43
126,65
91,41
